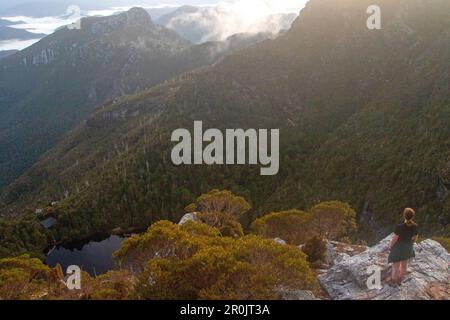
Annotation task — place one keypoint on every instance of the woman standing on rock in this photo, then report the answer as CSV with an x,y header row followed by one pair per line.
x,y
402,246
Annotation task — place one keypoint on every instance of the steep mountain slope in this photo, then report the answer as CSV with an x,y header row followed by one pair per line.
x,y
362,117
7,53
9,33
50,87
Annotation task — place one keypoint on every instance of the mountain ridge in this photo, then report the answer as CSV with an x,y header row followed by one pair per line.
x,y
7,53
10,33
50,87
344,97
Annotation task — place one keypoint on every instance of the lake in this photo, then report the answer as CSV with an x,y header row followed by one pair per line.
x,y
94,257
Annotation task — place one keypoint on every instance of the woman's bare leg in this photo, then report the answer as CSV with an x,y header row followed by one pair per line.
x,y
403,269
395,271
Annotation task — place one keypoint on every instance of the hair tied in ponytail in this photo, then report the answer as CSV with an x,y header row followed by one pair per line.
x,y
409,214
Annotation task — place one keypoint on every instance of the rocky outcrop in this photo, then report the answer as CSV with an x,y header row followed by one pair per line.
x,y
280,241
338,251
135,17
189,217
354,277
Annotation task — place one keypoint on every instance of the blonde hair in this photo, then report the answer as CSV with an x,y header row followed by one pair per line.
x,y
409,214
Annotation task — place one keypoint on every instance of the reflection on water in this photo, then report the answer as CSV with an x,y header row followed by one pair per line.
x,y
94,257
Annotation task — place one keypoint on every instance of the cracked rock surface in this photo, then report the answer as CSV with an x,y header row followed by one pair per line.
x,y
427,278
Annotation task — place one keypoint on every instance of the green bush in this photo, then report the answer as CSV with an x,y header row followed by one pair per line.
x,y
445,242
332,220
291,226
222,209
21,277
182,263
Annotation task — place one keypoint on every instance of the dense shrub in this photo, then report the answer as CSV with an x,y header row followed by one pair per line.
x,y
221,209
21,277
194,262
292,226
22,236
28,278
113,285
445,242
332,220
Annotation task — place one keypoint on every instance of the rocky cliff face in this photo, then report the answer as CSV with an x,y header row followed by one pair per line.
x,y
428,274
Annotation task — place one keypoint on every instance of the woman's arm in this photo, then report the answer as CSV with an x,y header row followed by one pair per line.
x,y
393,241
416,234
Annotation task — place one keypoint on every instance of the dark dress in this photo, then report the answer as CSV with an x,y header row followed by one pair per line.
x,y
404,248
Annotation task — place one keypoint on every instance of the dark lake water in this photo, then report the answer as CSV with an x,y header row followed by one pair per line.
x,y
94,257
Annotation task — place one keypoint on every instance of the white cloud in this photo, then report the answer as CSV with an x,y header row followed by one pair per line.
x,y
45,25
233,16
229,17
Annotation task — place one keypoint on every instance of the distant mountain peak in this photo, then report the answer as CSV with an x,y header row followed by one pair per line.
x,y
135,17
138,16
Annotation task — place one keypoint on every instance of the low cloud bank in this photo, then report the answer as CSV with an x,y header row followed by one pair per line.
x,y
211,22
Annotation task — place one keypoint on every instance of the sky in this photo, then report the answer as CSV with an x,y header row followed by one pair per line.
x,y
238,12
107,3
